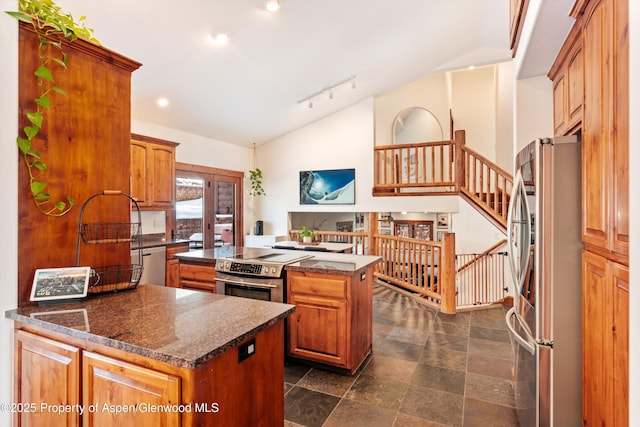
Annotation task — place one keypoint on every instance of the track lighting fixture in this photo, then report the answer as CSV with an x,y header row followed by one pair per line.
x,y
328,90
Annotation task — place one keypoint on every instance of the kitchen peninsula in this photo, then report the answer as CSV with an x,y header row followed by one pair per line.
x,y
332,324
200,359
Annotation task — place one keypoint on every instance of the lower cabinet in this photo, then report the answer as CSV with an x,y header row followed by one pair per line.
x,y
605,331
332,321
200,277
64,381
172,273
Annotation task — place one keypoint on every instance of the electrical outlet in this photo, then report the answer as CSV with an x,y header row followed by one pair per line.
x,y
246,350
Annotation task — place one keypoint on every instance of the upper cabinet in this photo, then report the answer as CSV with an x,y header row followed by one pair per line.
x,y
153,172
567,74
605,138
517,12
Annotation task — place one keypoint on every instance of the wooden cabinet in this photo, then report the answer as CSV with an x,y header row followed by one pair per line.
x,y
605,321
58,369
153,172
84,141
517,12
110,381
567,74
198,276
332,322
605,137
172,273
47,372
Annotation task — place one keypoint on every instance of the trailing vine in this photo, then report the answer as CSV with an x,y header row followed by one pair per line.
x,y
255,177
51,26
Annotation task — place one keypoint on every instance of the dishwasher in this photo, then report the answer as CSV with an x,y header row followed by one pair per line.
x,y
154,262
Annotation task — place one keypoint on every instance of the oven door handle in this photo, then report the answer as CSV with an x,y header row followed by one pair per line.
x,y
255,285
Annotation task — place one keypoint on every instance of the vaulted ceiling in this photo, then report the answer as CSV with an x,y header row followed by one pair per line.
x,y
257,86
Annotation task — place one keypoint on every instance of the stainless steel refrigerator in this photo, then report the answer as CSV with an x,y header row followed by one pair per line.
x,y
544,240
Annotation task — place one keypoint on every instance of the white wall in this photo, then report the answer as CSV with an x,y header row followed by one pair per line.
x,y
341,141
533,111
9,211
504,116
473,104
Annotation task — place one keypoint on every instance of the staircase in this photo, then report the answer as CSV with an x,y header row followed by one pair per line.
x,y
444,168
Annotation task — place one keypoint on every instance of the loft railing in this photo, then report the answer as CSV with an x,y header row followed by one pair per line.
x,y
443,168
480,278
360,241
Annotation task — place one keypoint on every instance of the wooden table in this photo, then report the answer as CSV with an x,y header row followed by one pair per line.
x,y
320,246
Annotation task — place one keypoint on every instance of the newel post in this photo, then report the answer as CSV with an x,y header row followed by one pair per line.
x,y
372,231
460,139
447,274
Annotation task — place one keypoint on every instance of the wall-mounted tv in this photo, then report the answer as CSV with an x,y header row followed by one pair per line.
x,y
328,187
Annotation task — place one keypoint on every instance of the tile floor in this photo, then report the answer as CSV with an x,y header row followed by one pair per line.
x,y
426,369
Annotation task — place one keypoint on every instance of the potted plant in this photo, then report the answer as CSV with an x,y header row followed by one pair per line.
x,y
255,177
307,234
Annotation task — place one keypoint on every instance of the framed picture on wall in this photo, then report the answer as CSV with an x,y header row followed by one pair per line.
x,y
443,220
328,187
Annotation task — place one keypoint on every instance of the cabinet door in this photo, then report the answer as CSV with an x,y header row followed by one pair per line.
x,y
559,104
318,329
172,276
47,372
619,416
575,85
139,169
108,381
162,174
595,346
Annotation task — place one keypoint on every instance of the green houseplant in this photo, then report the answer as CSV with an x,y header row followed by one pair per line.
x,y
52,26
307,234
255,177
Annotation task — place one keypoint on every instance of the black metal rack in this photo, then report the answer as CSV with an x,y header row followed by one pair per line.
x,y
111,278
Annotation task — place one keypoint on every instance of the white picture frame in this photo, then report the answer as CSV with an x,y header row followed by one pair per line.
x,y
50,284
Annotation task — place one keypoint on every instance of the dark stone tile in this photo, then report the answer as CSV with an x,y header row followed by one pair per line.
x,y
489,366
489,389
399,350
380,331
287,387
417,318
441,327
490,348
450,342
327,382
293,371
444,358
448,380
411,336
485,414
497,312
357,414
377,391
404,420
308,407
490,322
390,368
500,335
461,317
433,405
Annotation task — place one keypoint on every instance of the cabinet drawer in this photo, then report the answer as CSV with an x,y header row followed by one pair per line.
x,y
176,249
202,273
200,286
334,288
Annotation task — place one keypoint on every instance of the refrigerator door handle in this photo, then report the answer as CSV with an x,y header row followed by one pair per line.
x,y
524,343
521,243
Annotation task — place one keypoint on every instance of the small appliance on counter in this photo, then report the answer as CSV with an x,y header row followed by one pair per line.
x,y
259,228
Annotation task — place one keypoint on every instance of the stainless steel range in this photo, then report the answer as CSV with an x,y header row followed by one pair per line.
x,y
256,273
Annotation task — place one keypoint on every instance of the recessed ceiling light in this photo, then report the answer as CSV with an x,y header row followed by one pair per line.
x,y
221,38
273,5
163,102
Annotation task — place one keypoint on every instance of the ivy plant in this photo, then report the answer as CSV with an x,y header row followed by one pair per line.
x,y
255,177
51,26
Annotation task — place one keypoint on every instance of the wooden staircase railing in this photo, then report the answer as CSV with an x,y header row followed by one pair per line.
x,y
443,168
480,277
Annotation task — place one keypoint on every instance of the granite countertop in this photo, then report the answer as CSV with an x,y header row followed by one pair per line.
x,y
320,262
177,326
156,240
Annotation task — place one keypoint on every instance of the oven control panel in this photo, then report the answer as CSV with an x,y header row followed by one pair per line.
x,y
249,268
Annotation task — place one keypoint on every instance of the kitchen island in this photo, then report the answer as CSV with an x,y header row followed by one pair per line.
x,y
151,356
332,324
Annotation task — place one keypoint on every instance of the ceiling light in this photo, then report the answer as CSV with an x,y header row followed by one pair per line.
x,y
329,90
273,5
353,82
162,102
330,94
310,103
221,38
